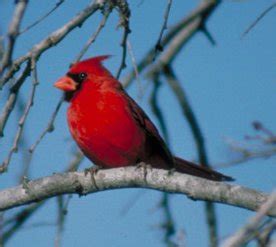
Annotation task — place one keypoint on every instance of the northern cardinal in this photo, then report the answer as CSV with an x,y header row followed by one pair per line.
x,y
109,126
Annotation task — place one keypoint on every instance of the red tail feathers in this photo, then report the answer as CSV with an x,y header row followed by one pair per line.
x,y
190,168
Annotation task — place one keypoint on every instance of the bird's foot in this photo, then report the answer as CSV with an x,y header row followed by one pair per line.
x,y
92,170
143,165
171,171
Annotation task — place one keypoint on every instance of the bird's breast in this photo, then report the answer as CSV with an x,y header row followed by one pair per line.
x,y
105,130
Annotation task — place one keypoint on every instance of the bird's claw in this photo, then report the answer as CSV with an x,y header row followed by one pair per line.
x,y
91,170
171,171
143,165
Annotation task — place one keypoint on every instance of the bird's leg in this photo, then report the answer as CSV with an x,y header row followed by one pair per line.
x,y
171,171
92,170
144,165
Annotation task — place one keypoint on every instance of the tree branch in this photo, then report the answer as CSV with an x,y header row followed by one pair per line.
x,y
53,39
130,177
241,236
158,46
13,94
50,126
43,17
259,18
23,118
92,39
189,114
13,33
124,13
176,37
19,219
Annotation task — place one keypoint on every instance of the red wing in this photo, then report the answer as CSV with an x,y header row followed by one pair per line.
x,y
155,145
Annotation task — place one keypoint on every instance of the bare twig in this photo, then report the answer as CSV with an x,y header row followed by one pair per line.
x,y
63,202
264,148
92,39
247,156
134,64
156,109
50,127
39,224
23,118
188,113
1,47
208,35
13,33
264,237
10,103
1,229
74,164
158,46
173,49
23,144
42,18
259,18
20,218
198,137
179,35
53,39
168,225
124,12
267,136
60,220
201,13
211,220
132,177
241,236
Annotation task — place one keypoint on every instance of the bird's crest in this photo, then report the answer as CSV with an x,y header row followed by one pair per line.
x,y
90,65
95,60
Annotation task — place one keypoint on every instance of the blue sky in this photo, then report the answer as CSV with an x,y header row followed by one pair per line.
x,y
229,86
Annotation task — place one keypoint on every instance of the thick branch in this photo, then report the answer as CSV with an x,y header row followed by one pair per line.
x,y
130,177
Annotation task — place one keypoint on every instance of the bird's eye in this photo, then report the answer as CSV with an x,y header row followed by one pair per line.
x,y
82,76
77,77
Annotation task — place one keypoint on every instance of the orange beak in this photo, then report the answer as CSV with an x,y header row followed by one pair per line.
x,y
66,84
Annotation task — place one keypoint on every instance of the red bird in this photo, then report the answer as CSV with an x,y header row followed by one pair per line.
x,y
110,128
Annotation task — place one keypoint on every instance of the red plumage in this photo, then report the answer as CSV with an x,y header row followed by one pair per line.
x,y
109,126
